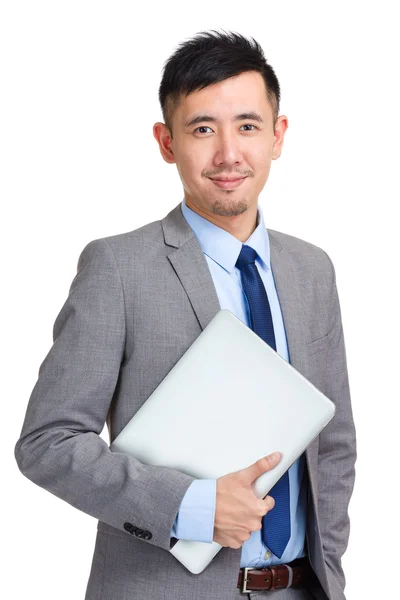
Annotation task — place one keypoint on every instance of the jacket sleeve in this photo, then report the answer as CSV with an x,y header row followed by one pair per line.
x,y
59,447
337,449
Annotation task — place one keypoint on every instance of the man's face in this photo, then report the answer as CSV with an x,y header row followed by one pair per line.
x,y
232,137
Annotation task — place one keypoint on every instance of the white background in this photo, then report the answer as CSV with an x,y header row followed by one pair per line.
x,y
79,161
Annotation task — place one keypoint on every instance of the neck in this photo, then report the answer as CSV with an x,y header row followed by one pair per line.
x,y
240,226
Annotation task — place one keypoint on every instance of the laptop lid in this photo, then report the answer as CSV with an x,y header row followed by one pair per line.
x,y
209,399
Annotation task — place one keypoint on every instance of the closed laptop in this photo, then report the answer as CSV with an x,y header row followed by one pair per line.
x,y
229,400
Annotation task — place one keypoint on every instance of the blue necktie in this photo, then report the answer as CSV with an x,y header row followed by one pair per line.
x,y
276,523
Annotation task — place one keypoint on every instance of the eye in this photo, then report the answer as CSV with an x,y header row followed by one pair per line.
x,y
201,127
249,125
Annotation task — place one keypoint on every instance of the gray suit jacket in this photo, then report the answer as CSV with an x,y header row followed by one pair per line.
x,y
137,302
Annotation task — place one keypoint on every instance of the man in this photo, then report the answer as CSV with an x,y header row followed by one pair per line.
x,y
138,302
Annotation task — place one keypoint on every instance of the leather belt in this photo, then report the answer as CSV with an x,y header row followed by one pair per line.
x,y
296,573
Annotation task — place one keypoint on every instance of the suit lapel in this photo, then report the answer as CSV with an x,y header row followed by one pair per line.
x,y
192,269
190,265
289,286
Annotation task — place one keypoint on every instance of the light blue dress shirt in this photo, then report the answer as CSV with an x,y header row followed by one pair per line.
x,y
195,519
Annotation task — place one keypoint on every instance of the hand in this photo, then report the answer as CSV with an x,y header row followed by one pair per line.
x,y
238,510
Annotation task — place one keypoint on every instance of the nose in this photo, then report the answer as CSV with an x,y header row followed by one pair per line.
x,y
227,149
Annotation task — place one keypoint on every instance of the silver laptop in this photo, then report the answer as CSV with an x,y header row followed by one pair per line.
x,y
229,400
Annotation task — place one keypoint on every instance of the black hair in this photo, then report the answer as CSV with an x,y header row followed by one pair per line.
x,y
206,59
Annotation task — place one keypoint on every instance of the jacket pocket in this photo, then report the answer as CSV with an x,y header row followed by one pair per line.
x,y
318,345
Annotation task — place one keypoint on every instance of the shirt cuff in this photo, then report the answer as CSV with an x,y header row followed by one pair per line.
x,y
195,519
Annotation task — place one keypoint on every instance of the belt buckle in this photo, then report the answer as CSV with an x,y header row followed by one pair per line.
x,y
244,589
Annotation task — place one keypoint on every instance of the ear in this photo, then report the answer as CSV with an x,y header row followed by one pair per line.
x,y
164,139
279,133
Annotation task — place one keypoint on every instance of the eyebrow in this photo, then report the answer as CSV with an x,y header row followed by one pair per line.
x,y
253,116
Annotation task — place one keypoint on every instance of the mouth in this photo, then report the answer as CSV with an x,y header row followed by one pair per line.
x,y
226,183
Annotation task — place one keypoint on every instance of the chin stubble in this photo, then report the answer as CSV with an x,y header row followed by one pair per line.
x,y
226,209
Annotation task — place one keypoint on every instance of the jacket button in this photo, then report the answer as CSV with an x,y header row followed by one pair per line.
x,y
143,535
129,527
139,533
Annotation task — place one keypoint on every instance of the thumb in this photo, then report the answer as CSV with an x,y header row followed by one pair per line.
x,y
264,464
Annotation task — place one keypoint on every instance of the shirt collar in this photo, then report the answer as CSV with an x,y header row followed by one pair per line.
x,y
223,247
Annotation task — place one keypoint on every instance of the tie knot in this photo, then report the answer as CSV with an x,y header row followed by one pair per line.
x,y
247,256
